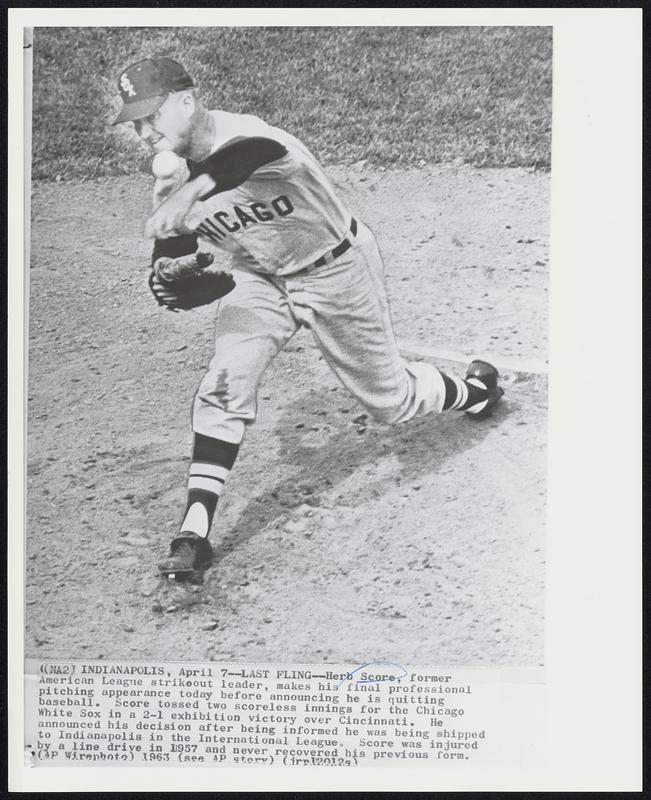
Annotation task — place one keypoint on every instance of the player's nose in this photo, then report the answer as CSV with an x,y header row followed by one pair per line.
x,y
143,128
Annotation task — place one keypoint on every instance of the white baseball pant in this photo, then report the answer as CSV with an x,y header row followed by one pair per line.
x,y
345,305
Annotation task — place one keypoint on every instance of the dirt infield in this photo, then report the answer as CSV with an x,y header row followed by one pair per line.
x,y
339,540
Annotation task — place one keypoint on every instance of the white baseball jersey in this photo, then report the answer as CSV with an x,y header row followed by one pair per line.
x,y
280,219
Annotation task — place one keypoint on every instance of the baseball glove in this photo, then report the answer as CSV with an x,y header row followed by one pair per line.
x,y
182,283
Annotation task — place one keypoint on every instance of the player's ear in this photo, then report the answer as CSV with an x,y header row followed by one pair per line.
x,y
187,103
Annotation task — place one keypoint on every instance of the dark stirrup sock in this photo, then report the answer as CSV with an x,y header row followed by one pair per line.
x,y
463,394
212,461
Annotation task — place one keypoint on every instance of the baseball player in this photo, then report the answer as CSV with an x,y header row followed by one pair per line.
x,y
299,259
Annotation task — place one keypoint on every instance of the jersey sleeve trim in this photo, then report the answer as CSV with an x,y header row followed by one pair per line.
x,y
233,163
174,247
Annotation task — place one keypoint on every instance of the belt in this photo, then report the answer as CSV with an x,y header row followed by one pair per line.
x,y
337,251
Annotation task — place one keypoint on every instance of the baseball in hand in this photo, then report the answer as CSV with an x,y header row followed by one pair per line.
x,y
165,164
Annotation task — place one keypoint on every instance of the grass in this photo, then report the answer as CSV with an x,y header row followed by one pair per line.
x,y
394,96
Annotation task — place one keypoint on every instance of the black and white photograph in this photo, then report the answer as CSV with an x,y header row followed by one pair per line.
x,y
288,344
306,354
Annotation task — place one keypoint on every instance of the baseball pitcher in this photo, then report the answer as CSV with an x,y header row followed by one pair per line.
x,y
299,259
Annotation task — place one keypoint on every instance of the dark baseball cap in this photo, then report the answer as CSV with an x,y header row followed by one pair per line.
x,y
145,85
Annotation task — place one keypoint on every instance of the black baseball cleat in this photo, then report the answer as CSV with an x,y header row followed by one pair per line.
x,y
488,375
188,553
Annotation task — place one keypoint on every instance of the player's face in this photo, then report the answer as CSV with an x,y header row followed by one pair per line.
x,y
168,128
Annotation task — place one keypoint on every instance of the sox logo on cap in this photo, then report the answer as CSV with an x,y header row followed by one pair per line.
x,y
127,86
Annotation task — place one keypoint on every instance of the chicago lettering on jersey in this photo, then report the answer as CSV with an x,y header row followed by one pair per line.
x,y
218,225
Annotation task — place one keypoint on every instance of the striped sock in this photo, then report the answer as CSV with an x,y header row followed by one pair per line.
x,y
464,394
212,461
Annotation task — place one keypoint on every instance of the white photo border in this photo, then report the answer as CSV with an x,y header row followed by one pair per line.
x,y
593,619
